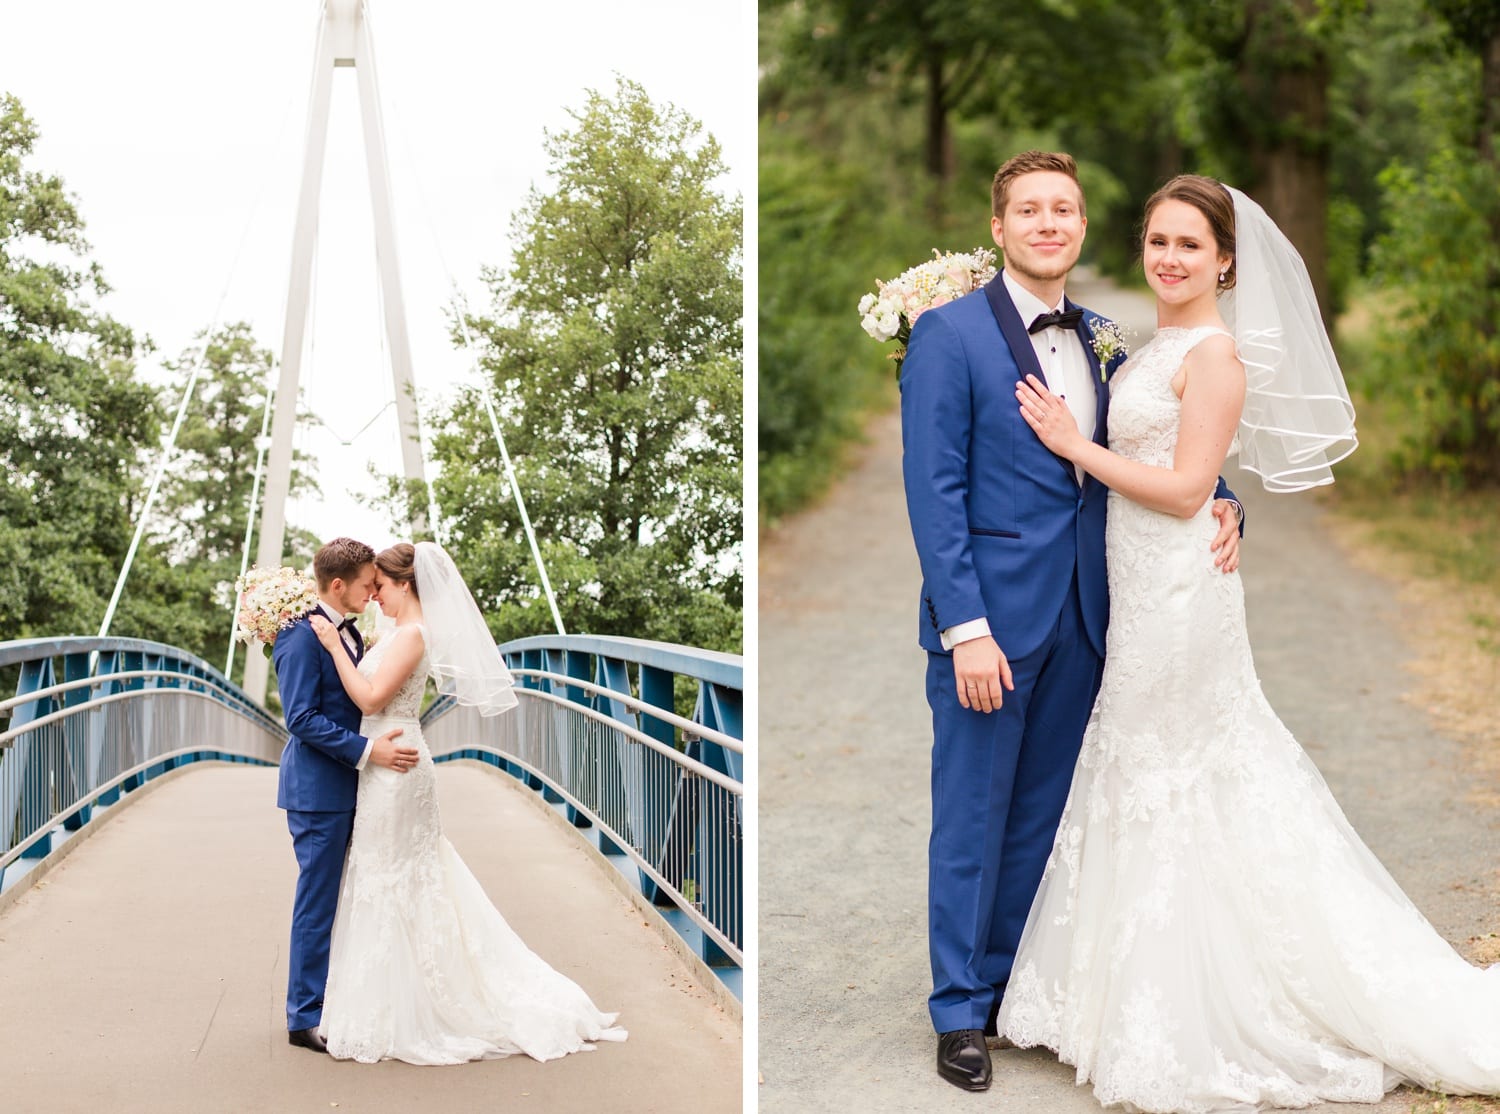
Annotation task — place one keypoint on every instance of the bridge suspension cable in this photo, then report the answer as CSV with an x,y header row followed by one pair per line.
x,y
486,395
510,471
187,394
261,444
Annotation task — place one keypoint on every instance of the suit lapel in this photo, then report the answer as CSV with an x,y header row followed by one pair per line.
x,y
354,654
1012,327
1019,340
1101,385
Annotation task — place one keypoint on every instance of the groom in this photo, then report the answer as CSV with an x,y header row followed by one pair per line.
x,y
1014,599
320,772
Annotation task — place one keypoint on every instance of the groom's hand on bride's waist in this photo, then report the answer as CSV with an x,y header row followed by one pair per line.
x,y
981,673
1227,542
384,751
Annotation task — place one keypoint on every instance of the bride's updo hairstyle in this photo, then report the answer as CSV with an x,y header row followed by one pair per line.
x,y
399,563
1211,199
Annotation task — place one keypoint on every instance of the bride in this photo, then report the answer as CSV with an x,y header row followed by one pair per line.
x,y
423,968
1210,933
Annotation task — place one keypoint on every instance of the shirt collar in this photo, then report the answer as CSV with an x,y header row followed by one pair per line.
x,y
1028,305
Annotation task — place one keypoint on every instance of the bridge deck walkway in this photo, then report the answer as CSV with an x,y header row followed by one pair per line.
x,y
147,971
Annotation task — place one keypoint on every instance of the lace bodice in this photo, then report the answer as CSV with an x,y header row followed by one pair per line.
x,y
407,701
1143,410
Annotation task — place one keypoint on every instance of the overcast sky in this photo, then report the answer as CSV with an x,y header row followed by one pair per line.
x,y
179,127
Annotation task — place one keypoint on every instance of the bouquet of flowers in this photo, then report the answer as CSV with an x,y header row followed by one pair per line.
x,y
893,309
270,601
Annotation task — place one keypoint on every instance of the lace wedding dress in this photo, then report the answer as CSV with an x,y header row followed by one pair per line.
x,y
423,967
1210,933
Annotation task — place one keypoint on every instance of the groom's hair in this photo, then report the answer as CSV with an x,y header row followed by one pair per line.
x,y
1028,162
340,559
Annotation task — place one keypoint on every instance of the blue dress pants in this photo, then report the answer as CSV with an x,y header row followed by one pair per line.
x,y
320,840
999,784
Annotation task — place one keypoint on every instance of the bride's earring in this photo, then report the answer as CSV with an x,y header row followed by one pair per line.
x,y
1221,277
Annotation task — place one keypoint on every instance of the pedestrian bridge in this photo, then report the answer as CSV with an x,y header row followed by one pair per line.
x,y
146,880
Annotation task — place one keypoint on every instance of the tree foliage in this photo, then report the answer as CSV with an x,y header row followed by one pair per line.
x,y
206,497
1439,352
81,435
199,522
73,420
613,349
1303,103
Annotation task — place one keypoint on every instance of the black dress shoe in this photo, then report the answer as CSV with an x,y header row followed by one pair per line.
x,y
963,1060
307,1038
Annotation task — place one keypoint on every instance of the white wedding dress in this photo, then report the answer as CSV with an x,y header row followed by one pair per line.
x,y
1210,933
423,967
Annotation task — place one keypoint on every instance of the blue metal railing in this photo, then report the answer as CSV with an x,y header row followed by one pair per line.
x,y
94,718
597,731
660,793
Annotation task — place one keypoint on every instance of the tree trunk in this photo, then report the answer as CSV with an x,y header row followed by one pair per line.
x,y
1489,96
939,158
1291,155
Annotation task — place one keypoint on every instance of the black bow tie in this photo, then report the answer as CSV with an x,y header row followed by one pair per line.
x,y
350,625
1067,319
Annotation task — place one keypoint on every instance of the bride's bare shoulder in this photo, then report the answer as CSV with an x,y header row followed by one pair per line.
x,y
1216,351
408,634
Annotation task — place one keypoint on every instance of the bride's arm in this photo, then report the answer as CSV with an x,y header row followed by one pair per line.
x,y
1213,396
370,694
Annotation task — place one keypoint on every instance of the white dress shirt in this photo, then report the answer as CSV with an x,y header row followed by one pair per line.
x,y
1066,369
1065,365
332,615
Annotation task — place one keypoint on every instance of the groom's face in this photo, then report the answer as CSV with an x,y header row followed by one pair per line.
x,y
354,594
1041,230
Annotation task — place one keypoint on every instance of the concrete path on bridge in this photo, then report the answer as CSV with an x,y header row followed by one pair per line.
x,y
147,972
844,765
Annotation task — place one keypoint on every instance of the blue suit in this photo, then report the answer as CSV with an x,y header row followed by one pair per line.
x,y
1003,531
317,786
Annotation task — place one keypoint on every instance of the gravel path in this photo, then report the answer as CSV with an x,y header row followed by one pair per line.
x,y
146,974
844,809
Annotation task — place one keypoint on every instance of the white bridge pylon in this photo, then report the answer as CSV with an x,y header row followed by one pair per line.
x,y
344,40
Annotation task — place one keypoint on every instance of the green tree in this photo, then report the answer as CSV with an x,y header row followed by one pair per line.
x,y
613,347
1259,104
73,420
1439,351
205,496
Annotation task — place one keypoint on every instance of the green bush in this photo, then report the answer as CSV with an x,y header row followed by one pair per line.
x,y
1438,352
829,229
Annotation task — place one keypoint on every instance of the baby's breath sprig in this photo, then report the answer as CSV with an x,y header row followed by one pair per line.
x,y
1109,342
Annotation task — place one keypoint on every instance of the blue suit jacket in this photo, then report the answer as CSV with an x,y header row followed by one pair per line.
x,y
318,763
1000,521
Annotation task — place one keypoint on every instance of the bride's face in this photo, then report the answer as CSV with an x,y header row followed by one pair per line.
x,y
385,596
1181,258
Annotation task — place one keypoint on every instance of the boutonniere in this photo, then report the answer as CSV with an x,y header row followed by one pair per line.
x,y
1109,342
